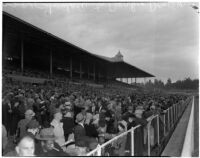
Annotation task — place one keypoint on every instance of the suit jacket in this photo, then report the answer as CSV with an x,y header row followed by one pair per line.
x,y
79,131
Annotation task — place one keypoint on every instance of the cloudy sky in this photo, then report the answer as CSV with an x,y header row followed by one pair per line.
x,y
159,38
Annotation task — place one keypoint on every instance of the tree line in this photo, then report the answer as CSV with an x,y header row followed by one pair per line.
x,y
186,84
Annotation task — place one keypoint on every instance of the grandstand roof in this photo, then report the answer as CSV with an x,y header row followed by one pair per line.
x,y
116,68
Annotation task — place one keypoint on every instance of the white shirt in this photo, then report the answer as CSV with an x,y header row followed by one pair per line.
x,y
58,132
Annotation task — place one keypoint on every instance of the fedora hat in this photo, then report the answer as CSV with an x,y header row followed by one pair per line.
x,y
139,111
46,134
29,112
79,117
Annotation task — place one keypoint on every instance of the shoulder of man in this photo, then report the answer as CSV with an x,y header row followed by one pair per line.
x,y
11,154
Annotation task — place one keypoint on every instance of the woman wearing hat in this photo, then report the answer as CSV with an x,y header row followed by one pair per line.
x,y
120,144
139,132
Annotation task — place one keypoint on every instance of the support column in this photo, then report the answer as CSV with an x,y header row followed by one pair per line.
x,y
51,64
135,80
127,80
71,68
144,80
22,55
4,52
94,72
88,72
131,80
80,69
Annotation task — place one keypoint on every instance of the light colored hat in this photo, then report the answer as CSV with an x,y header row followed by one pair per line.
x,y
67,103
95,119
139,111
46,134
124,123
79,117
89,116
29,112
140,107
153,107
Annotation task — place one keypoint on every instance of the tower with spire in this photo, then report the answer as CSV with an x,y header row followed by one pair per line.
x,y
118,57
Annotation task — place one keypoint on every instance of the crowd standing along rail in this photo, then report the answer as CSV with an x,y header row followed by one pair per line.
x,y
158,129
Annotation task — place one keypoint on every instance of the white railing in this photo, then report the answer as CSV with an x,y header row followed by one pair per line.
x,y
171,116
188,145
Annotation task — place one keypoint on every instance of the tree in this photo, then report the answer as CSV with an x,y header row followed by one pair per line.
x,y
169,83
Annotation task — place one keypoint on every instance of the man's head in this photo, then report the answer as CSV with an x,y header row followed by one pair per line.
x,y
58,116
47,145
138,113
131,118
130,109
29,114
47,138
80,118
26,147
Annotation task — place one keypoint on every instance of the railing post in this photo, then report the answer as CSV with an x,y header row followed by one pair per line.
x,y
168,110
170,122
158,130
148,136
178,109
99,151
176,112
164,124
132,142
172,116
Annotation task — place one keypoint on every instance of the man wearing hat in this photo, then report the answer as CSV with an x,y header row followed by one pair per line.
x,y
139,132
47,145
79,130
68,120
21,127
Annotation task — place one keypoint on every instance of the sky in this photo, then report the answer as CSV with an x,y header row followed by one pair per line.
x,y
160,38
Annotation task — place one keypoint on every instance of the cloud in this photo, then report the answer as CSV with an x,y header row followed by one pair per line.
x,y
159,38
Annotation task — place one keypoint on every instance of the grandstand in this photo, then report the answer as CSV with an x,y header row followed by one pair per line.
x,y
27,47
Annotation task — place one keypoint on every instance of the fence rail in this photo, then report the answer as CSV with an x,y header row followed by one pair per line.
x,y
158,127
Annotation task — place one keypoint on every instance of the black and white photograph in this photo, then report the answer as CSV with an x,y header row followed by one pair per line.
x,y
108,79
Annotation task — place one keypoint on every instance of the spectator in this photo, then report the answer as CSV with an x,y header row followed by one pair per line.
x,y
4,137
47,147
120,144
29,114
68,121
79,130
90,128
25,147
58,129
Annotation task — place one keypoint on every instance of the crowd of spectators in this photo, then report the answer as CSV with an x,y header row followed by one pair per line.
x,y
66,119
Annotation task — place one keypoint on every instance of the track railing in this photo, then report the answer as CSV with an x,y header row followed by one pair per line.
x,y
140,140
188,145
